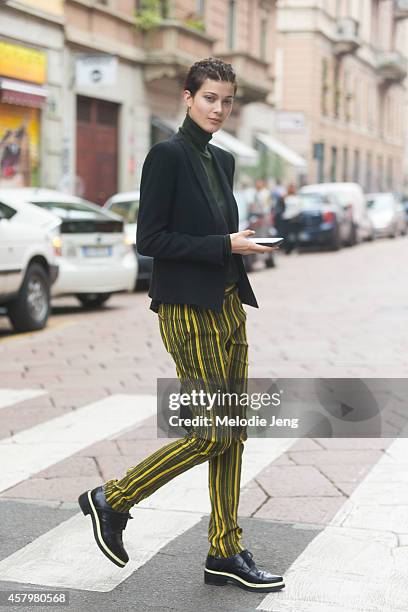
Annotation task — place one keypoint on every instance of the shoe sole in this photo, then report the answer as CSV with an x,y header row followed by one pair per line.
x,y
87,506
222,578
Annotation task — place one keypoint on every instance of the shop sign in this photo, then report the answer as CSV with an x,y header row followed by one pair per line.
x,y
96,69
22,63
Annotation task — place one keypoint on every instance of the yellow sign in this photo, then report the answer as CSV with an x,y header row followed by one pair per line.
x,y
22,63
48,6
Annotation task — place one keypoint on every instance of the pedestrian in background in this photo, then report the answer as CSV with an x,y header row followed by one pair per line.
x,y
188,222
289,220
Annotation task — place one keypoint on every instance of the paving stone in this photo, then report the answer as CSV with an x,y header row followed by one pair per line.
x,y
318,510
345,472
74,466
294,481
60,489
251,498
325,457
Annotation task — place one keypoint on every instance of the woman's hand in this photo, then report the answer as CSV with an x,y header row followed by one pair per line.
x,y
240,244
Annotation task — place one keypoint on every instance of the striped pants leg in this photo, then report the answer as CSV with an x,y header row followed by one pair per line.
x,y
209,346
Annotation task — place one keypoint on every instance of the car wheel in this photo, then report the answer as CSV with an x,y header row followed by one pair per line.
x,y
336,241
270,261
93,300
352,241
31,309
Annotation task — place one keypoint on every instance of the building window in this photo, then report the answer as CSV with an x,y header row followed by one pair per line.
x,y
262,38
333,169
231,24
337,90
200,7
345,164
356,168
348,97
369,172
325,86
141,5
390,174
318,154
380,185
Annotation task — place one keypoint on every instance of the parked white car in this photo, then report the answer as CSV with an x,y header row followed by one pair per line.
x,y
387,214
28,264
95,257
351,197
126,205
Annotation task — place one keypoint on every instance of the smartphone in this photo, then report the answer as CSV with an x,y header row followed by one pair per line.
x,y
268,242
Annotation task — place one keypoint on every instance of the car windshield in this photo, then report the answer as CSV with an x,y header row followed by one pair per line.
x,y
382,201
73,210
127,210
310,201
344,197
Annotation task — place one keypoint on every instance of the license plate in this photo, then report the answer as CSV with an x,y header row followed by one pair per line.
x,y
304,236
97,251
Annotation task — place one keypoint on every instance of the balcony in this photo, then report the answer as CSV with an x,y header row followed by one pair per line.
x,y
391,67
254,81
347,39
400,9
171,48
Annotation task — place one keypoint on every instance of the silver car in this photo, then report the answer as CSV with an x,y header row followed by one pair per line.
x,y
387,214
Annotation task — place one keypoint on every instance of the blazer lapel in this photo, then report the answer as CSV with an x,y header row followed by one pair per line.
x,y
202,179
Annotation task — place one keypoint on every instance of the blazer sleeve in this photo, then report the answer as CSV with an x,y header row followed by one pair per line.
x,y
157,190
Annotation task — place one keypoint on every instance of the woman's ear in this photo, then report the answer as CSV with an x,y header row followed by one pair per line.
x,y
187,98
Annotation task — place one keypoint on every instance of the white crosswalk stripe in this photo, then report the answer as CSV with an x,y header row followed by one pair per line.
x,y
8,397
359,562
28,452
66,556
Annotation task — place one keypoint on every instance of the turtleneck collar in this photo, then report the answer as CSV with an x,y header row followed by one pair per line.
x,y
199,137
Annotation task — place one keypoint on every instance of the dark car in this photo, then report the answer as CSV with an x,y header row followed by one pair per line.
x,y
404,202
321,220
250,217
127,206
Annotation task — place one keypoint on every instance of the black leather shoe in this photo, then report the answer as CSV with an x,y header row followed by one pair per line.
x,y
240,570
108,525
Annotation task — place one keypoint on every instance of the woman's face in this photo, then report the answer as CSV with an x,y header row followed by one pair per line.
x,y
211,105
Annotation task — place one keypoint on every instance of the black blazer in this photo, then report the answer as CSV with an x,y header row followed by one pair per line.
x,y
181,226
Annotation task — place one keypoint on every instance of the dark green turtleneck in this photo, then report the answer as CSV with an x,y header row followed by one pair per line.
x,y
199,139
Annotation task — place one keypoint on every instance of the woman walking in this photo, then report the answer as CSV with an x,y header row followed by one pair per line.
x,y
188,222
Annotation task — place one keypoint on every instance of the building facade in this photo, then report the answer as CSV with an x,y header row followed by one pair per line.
x,y
321,87
341,68
31,93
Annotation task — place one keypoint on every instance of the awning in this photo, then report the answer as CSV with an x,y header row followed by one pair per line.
x,y
162,124
22,94
246,155
293,158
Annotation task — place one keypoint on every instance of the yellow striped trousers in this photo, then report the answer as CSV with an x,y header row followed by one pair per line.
x,y
210,347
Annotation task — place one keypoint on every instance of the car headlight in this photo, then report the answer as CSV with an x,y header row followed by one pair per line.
x,y
57,245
